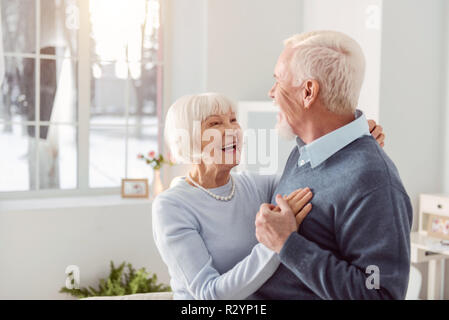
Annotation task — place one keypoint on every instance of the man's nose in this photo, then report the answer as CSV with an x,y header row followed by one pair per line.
x,y
271,92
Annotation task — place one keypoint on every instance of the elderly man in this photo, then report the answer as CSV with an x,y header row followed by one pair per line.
x,y
355,242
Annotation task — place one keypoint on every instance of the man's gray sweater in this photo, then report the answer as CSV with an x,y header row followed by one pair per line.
x,y
357,232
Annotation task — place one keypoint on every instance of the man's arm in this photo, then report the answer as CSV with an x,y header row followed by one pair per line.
x,y
374,231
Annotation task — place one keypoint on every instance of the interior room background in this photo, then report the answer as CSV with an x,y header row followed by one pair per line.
x,y
100,105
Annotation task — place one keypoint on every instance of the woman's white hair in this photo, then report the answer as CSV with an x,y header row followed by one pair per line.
x,y
183,123
333,59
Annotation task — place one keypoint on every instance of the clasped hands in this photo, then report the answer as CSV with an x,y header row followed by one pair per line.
x,y
274,224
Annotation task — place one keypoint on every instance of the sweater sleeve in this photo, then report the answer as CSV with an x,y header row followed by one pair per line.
x,y
373,234
266,185
178,239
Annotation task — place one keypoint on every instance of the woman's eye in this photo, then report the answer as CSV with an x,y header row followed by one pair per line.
x,y
234,120
214,123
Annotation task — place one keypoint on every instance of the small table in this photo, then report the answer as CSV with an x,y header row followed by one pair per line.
x,y
425,248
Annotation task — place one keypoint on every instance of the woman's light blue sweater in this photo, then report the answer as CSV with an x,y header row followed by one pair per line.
x,y
210,246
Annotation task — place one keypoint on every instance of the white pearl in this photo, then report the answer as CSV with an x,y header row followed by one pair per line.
x,y
217,197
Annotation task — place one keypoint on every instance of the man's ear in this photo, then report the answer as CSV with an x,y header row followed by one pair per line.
x,y
310,92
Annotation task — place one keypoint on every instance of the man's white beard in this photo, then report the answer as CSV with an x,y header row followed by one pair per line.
x,y
284,129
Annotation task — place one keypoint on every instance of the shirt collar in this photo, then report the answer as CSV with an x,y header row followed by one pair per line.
x,y
324,147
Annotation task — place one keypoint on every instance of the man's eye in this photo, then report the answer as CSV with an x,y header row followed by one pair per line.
x,y
214,124
234,120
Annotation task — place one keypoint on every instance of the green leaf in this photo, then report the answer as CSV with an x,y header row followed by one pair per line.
x,y
121,281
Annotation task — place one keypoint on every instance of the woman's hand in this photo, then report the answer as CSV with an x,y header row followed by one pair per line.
x,y
274,224
377,132
298,201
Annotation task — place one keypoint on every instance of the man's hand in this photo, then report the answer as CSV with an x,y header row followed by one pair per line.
x,y
377,132
274,227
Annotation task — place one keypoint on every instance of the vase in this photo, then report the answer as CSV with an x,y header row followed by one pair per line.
x,y
157,186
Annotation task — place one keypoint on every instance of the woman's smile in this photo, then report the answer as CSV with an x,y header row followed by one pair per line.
x,y
230,148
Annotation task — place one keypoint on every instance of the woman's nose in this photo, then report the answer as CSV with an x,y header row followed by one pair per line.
x,y
229,125
230,129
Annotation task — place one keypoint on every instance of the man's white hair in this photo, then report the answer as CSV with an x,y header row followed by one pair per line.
x,y
333,59
183,123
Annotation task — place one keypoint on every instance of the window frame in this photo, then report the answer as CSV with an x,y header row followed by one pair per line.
x,y
82,124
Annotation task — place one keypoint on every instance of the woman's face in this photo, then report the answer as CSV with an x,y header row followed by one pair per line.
x,y
221,141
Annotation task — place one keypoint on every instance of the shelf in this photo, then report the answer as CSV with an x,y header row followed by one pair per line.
x,y
422,241
70,202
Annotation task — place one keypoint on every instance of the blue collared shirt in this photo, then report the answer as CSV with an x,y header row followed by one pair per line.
x,y
322,148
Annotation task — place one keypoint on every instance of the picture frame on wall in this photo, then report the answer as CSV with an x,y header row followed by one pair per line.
x,y
135,188
438,226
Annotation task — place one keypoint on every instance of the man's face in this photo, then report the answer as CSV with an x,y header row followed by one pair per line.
x,y
282,94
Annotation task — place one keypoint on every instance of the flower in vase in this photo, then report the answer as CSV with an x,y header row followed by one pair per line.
x,y
155,161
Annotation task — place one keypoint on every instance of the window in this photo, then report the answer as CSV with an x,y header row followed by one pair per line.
x,y
81,94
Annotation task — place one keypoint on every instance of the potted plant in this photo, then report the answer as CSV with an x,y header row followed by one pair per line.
x,y
123,280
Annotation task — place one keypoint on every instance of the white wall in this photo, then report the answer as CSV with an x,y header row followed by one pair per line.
x,y
227,46
185,45
446,124
360,19
446,104
412,94
36,245
244,41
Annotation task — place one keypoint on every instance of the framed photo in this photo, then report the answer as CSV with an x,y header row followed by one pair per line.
x,y
438,227
135,188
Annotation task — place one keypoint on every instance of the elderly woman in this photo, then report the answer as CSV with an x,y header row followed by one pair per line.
x,y
204,225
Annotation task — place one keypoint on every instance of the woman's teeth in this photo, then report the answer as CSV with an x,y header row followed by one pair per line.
x,y
229,147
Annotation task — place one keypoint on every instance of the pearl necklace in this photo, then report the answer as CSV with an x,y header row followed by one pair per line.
x,y
217,197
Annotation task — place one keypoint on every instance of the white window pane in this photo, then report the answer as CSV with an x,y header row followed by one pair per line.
x,y
108,95
18,25
107,156
125,83
141,140
17,159
59,90
18,90
59,26
124,55
58,157
124,30
143,94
